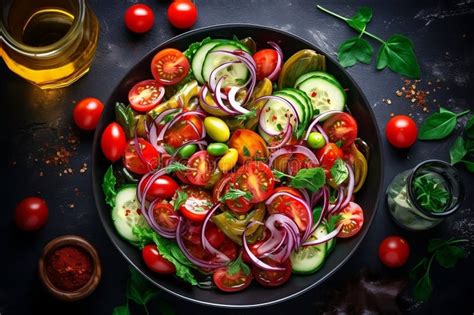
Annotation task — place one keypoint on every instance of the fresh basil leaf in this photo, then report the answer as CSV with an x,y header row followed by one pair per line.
x,y
121,310
309,178
469,145
438,126
457,151
423,288
339,172
317,213
448,256
469,130
108,186
419,270
360,19
469,165
435,243
245,151
332,222
353,50
140,290
444,110
397,53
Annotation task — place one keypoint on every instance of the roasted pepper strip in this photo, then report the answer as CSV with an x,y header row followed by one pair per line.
x,y
184,96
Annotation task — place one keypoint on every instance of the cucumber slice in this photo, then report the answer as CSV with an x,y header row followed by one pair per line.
x,y
198,59
300,106
309,259
275,114
324,94
304,100
315,74
331,243
235,74
126,213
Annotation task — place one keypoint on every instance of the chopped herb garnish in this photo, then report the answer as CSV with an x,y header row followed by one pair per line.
x,y
244,117
181,198
176,167
339,172
234,193
306,178
246,151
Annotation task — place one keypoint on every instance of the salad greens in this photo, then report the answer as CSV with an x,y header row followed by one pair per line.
x,y
181,198
396,53
339,172
108,186
430,193
234,193
306,178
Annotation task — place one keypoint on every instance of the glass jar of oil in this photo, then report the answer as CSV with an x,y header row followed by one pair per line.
x,y
50,43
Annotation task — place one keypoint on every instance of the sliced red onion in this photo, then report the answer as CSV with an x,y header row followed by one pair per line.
x,y
279,63
276,240
305,194
205,264
213,76
233,103
153,176
138,150
324,239
153,129
275,248
155,226
337,205
254,258
350,187
318,119
324,210
219,102
315,197
323,133
205,243
286,138
210,108
261,119
176,118
292,149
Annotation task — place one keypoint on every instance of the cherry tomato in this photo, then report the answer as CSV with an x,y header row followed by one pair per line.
x,y
136,163
290,190
229,248
292,208
163,187
155,262
269,278
169,66
139,18
182,14
31,213
165,216
231,282
186,129
394,251
113,142
298,161
341,128
257,178
240,205
254,249
266,60
352,219
198,203
87,113
145,95
401,131
248,144
201,168
328,154
193,232
214,235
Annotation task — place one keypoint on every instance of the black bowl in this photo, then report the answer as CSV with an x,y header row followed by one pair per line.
x,y
255,295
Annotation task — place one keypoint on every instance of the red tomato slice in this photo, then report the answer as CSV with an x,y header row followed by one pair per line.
x,y
145,95
292,208
228,282
290,190
328,154
134,163
352,220
249,145
239,205
266,60
269,278
342,128
256,178
197,205
188,128
163,187
165,216
202,168
169,66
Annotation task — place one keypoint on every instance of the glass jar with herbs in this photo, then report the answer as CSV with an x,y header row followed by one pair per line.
x,y
422,197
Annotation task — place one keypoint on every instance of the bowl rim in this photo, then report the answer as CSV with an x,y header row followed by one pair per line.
x,y
358,242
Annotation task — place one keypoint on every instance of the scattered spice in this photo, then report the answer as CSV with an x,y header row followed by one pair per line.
x,y
412,91
69,267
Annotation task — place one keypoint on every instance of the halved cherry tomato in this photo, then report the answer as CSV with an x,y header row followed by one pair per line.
x,y
186,129
292,208
266,60
298,161
269,278
290,190
341,128
113,142
231,282
201,168
169,66
256,178
254,249
163,187
193,232
135,163
239,205
165,216
145,95
328,154
155,262
229,249
352,219
214,235
197,205
249,145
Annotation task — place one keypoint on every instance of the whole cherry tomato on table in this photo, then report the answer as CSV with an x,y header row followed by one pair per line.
x,y
394,251
182,14
113,142
31,213
139,18
87,113
401,131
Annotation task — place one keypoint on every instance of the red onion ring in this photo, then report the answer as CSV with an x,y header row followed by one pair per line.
x,y
305,196
286,138
205,243
322,132
138,150
210,108
153,129
261,119
277,69
213,76
176,118
318,119
236,106
218,99
326,238
337,205
350,187
291,149
315,197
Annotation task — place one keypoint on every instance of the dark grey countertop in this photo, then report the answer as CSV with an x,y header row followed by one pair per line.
x,y
35,123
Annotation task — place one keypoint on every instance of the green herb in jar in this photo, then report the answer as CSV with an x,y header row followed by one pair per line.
x,y
430,192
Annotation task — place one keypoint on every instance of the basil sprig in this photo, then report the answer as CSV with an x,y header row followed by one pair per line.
x,y
439,125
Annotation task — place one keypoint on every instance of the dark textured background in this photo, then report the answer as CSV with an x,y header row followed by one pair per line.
x,y
33,122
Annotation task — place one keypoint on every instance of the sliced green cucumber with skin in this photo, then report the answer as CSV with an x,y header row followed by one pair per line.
x,y
311,74
299,106
331,243
275,114
198,59
126,213
235,74
304,100
324,94
309,259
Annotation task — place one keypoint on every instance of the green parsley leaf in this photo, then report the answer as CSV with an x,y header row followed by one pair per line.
x,y
317,213
309,178
175,167
360,19
121,310
279,127
108,186
234,193
353,50
430,193
469,165
244,117
181,198
423,288
339,172
140,290
457,151
246,151
435,243
439,125
332,221
397,53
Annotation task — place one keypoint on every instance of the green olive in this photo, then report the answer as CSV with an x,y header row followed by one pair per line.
x,y
316,140
301,62
188,150
217,149
217,129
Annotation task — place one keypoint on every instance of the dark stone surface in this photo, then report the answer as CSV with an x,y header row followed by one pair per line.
x,y
33,119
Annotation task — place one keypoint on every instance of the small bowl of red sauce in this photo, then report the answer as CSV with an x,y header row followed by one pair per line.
x,y
70,268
